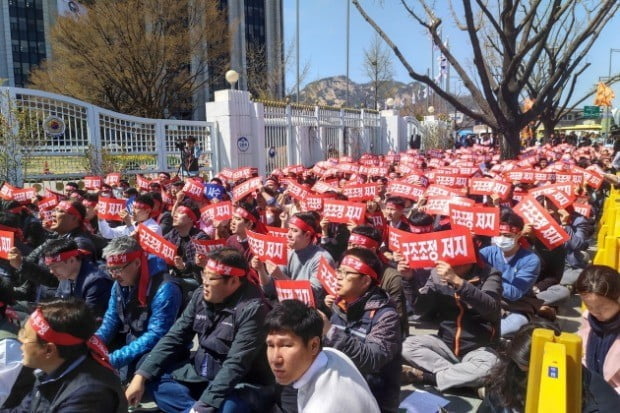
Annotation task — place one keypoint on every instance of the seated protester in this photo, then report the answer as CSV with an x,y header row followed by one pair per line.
x,y
244,217
10,222
366,326
394,213
520,268
327,379
160,214
599,288
183,232
466,300
580,229
31,271
74,374
334,235
365,236
506,384
15,380
91,223
143,305
303,258
229,371
141,210
78,276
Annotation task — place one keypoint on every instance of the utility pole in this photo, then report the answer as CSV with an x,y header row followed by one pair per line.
x,y
346,99
297,100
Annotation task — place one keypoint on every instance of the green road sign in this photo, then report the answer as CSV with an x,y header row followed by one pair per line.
x,y
591,112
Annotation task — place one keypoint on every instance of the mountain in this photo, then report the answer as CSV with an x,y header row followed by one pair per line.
x,y
331,91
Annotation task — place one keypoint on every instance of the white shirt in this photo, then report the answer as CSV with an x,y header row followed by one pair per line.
x,y
10,366
120,231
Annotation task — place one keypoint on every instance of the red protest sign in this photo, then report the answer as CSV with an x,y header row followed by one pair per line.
x,y
520,175
591,177
7,239
440,205
277,231
344,211
321,187
6,192
193,189
295,290
268,247
486,186
113,179
155,244
361,192
243,173
244,189
204,246
477,219
568,177
92,182
327,276
451,180
312,203
48,203
456,247
109,208
221,211
546,229
24,195
440,190
296,191
583,209
560,194
405,190
142,182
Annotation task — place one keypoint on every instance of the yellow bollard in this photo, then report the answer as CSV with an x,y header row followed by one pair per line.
x,y
554,376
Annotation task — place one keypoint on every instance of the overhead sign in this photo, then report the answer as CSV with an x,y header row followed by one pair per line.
x,y
591,112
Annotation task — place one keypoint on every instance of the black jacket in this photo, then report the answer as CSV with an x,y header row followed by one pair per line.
x,y
91,285
469,316
231,345
79,385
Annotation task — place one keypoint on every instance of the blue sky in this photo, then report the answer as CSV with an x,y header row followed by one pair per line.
x,y
322,41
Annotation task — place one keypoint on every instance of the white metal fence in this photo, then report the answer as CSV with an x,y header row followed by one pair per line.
x,y
96,139
308,134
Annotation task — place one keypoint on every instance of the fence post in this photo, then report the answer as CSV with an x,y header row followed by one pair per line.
x,y
290,136
365,137
214,144
341,143
94,138
160,146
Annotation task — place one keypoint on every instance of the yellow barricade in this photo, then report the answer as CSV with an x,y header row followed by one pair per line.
x,y
554,376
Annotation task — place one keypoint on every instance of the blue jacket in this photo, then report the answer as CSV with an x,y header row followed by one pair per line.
x,y
518,274
91,285
162,309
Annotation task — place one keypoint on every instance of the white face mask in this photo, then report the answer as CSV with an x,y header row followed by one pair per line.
x,y
270,218
504,243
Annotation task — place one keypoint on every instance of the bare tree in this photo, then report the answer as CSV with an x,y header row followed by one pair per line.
x,y
141,57
522,29
378,68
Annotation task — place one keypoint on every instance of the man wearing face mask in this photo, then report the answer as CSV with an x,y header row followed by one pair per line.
x,y
520,268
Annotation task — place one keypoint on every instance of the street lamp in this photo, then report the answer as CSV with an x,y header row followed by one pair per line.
x,y
389,103
232,77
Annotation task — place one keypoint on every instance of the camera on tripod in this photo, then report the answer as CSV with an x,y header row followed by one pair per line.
x,y
180,144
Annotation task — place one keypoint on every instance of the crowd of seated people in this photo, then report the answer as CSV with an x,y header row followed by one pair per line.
x,y
301,291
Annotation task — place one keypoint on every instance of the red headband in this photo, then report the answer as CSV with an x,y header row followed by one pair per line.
x,y
143,282
222,269
394,205
301,224
364,241
503,228
88,203
69,209
97,348
64,256
357,264
187,211
420,230
142,205
245,214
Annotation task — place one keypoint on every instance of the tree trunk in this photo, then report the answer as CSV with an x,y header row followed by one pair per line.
x,y
549,125
510,144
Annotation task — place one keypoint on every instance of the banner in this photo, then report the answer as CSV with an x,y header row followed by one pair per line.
x,y
109,208
295,290
113,179
268,247
244,189
361,192
546,229
204,247
155,244
405,190
478,219
327,276
455,247
344,211
93,182
221,211
193,189
7,240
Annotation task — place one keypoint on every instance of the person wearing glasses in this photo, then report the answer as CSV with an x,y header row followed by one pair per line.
x,y
366,326
144,303
229,371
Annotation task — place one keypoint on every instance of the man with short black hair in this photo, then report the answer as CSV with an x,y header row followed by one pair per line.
x,y
229,371
141,210
74,372
326,379
189,157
